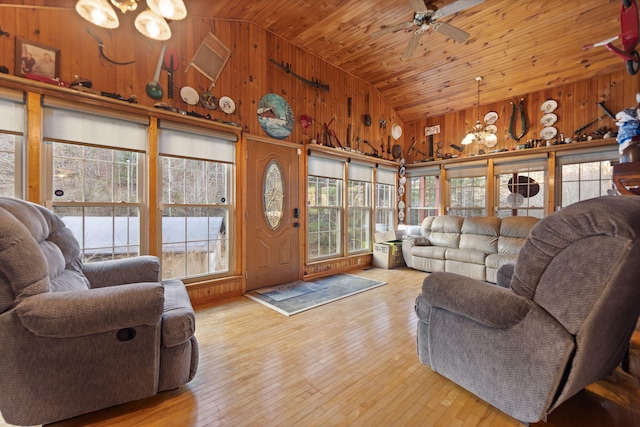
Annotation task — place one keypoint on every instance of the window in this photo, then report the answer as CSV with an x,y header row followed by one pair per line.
x,y
423,194
12,125
359,207
467,188
359,216
324,198
585,175
467,196
520,188
96,193
94,180
385,199
197,198
324,207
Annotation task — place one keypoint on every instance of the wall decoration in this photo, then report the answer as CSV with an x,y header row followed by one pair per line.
x,y
227,105
36,58
210,58
275,116
313,82
101,49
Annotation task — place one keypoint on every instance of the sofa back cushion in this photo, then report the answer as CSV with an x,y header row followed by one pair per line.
x,y
443,230
63,254
37,253
480,233
514,230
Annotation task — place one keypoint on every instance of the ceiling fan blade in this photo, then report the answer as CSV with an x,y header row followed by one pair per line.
x,y
448,30
413,43
456,7
391,29
418,5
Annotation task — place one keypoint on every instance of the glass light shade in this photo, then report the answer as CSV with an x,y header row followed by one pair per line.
x,y
468,139
490,138
98,12
152,25
174,10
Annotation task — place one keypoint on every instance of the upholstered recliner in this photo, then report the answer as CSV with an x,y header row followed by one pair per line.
x,y
74,337
557,321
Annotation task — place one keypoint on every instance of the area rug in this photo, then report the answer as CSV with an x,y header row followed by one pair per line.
x,y
299,296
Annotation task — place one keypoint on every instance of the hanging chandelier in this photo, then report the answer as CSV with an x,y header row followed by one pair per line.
x,y
477,132
150,22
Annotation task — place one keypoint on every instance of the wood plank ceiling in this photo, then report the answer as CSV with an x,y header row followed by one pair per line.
x,y
517,46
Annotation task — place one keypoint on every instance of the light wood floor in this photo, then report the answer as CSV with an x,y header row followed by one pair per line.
x,y
349,363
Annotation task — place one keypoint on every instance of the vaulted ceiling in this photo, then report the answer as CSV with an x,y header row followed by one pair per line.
x,y
518,47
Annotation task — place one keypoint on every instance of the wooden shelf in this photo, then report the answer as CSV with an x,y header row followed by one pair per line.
x,y
516,153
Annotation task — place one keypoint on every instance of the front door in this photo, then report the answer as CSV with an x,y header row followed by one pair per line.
x,y
273,223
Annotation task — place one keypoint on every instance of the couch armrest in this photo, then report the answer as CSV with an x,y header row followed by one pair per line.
x,y
178,319
138,269
417,240
482,302
87,312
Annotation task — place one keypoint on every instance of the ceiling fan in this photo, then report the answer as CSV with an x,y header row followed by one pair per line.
x,y
426,18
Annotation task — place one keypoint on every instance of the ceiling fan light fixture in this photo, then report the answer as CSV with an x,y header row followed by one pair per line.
x,y
477,132
98,12
174,10
152,25
125,5
490,139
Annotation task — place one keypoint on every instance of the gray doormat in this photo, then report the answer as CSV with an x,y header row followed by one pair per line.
x,y
298,296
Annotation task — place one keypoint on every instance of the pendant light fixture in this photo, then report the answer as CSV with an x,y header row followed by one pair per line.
x,y
477,132
150,22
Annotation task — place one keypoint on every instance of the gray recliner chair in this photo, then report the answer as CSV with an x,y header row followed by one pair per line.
x,y
560,319
74,337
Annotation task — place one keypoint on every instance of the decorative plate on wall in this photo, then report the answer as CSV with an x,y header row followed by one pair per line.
x,y
227,105
549,106
275,116
548,133
189,95
491,117
548,119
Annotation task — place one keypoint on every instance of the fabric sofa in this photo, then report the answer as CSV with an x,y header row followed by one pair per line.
x,y
77,337
475,247
558,320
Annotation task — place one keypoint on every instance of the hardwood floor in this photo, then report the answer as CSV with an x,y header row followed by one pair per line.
x,y
352,362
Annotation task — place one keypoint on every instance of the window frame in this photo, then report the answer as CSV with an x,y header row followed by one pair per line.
x,y
206,147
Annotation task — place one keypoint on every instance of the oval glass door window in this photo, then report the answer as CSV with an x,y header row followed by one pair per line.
x,y
273,195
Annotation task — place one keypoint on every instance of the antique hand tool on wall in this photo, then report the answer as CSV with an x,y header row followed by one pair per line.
x,y
313,82
606,113
101,48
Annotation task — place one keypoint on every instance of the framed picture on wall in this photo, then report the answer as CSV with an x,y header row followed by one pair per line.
x,y
36,58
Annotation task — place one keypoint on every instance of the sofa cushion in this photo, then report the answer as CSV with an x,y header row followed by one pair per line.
x,y
480,234
466,255
513,232
445,231
468,269
498,260
435,252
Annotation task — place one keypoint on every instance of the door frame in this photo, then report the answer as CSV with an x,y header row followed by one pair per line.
x,y
302,201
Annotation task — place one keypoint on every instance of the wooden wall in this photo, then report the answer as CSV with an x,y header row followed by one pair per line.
x,y
577,106
247,77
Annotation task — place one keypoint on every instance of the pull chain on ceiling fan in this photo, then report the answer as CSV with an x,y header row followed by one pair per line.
x,y
425,18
